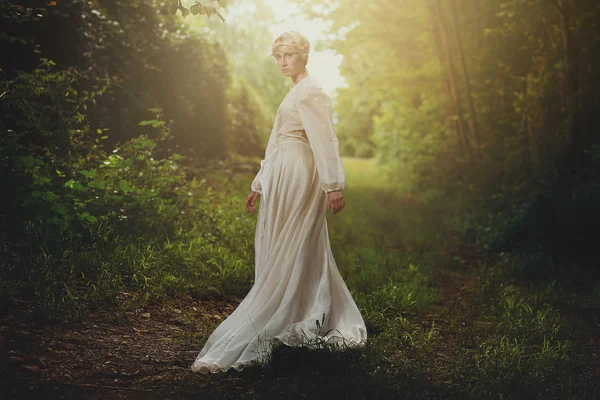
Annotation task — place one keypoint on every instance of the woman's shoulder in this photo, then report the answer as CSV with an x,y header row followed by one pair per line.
x,y
312,88
314,84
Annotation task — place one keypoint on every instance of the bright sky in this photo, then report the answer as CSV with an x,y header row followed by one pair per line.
x,y
323,65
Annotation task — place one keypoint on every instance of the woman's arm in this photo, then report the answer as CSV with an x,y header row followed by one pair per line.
x,y
314,107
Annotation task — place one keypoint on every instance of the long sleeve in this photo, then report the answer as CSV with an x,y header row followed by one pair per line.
x,y
314,107
256,185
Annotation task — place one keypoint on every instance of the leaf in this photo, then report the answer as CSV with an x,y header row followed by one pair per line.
x,y
100,184
184,11
197,9
154,122
26,161
74,185
124,185
41,179
60,208
49,196
209,10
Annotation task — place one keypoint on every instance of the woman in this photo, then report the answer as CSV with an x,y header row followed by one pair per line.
x,y
298,296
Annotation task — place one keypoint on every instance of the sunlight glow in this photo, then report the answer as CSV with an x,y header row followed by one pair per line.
x,y
322,64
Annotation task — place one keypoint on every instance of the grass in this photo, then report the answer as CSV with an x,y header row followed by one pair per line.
x,y
523,347
440,325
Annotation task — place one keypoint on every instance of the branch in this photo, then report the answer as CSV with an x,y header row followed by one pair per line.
x,y
566,14
545,23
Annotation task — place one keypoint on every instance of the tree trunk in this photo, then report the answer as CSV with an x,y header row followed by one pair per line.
x,y
577,142
445,87
528,120
474,125
443,35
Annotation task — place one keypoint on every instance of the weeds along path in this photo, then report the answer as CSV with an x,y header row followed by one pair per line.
x,y
418,294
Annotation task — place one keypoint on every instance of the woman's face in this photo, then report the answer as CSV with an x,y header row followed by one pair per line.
x,y
289,63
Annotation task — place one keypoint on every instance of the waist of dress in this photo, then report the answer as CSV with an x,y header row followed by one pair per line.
x,y
283,139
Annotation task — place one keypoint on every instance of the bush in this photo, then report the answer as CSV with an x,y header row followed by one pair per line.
x,y
83,225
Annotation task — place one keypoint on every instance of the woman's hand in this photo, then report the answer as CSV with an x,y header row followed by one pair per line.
x,y
335,201
250,200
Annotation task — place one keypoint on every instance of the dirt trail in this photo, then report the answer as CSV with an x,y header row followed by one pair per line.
x,y
146,354
149,355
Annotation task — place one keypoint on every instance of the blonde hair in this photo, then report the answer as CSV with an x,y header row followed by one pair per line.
x,y
294,42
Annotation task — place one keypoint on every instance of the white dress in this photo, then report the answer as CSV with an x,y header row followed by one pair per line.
x,y
297,281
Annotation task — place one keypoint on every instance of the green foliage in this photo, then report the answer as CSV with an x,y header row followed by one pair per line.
x,y
157,64
549,224
406,290
83,225
42,114
257,86
481,107
87,228
198,8
247,125
526,346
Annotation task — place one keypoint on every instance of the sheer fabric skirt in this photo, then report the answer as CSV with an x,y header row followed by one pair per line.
x,y
297,282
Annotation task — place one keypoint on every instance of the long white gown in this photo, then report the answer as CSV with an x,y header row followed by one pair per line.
x,y
297,281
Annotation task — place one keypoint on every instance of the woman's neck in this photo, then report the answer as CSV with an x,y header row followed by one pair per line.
x,y
298,77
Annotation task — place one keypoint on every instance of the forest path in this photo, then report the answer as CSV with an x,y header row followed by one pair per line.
x,y
146,352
